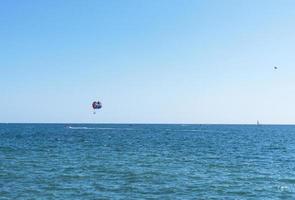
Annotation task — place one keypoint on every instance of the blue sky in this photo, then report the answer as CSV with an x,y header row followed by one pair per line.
x,y
166,61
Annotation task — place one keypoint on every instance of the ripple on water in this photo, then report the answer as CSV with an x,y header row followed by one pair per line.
x,y
146,162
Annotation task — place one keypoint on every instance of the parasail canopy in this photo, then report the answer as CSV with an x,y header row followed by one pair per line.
x,y
96,105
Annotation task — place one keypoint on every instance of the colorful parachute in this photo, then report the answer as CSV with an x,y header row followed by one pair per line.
x,y
96,105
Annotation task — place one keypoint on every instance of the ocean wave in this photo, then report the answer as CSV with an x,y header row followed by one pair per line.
x,y
132,129
200,130
97,128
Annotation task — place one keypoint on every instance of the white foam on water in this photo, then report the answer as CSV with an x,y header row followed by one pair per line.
x,y
78,127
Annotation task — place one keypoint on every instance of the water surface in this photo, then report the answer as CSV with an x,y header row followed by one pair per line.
x,y
108,161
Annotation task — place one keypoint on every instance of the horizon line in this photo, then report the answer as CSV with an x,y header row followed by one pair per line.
x,y
152,123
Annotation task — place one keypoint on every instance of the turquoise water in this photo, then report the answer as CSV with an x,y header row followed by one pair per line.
x,y
107,161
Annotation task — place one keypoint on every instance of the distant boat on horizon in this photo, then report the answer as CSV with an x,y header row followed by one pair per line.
x,y
257,123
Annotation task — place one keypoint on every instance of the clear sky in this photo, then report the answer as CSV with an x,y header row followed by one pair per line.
x,y
157,61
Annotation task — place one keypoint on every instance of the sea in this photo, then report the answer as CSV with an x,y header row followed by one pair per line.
x,y
146,161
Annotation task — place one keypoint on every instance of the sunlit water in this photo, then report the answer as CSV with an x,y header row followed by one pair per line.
x,y
82,161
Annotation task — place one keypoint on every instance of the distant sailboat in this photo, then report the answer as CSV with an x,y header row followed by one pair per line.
x,y
258,123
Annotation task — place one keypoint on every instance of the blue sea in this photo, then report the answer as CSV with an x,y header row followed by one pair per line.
x,y
125,161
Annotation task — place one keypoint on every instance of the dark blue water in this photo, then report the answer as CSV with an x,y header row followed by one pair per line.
x,y
146,161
